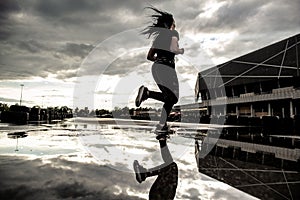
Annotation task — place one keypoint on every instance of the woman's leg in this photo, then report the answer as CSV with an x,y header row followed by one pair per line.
x,y
166,156
156,95
142,173
165,152
166,110
167,81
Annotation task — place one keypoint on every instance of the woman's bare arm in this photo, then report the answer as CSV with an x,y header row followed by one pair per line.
x,y
175,47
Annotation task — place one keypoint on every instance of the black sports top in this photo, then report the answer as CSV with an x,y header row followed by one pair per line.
x,y
162,44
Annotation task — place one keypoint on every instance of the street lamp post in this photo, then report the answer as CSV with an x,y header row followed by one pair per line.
x,y
22,85
43,101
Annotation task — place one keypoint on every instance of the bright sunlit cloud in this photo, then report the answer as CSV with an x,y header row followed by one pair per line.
x,y
210,8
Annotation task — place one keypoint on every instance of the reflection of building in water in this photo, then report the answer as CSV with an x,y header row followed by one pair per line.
x,y
257,99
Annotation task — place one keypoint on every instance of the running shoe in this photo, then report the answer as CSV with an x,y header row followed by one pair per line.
x,y
162,131
162,135
162,127
142,96
140,172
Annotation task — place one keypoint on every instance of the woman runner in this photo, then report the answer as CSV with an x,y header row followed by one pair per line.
x,y
162,53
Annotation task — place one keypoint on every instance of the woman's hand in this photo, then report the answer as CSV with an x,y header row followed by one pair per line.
x,y
182,51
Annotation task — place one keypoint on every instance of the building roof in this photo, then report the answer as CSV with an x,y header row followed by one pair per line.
x,y
276,61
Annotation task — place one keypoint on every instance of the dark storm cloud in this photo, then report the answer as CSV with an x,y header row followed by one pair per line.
x,y
7,7
58,8
62,32
38,65
126,64
37,59
25,66
231,15
4,34
32,46
236,13
78,12
41,37
77,50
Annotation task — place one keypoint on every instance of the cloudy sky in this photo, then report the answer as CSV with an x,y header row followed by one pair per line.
x,y
89,53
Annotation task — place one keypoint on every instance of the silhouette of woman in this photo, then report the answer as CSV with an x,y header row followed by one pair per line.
x,y
162,53
164,187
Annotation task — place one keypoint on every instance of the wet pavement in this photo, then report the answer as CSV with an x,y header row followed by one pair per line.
x,y
92,158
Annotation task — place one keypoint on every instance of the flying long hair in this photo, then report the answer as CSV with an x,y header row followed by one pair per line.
x,y
160,21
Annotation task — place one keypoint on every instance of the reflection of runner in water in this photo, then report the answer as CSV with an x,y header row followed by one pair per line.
x,y
197,153
164,187
164,48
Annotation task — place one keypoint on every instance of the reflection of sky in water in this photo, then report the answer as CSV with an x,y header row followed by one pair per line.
x,y
39,143
117,147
